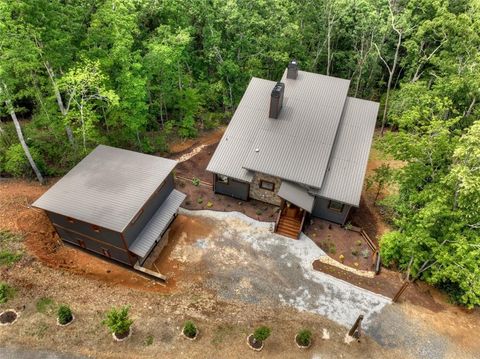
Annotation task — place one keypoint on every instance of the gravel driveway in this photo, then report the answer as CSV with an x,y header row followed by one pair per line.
x,y
247,262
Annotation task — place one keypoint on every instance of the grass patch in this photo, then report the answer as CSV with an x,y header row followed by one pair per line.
x,y
6,292
8,258
148,340
45,305
221,333
7,236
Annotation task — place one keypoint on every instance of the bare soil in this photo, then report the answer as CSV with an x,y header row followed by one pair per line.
x,y
8,316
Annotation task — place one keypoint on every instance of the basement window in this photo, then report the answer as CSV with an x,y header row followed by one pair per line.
x,y
106,253
269,186
70,220
96,228
81,243
336,206
222,179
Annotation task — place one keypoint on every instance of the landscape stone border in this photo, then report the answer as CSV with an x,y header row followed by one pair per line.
x,y
130,331
302,346
65,325
248,343
10,310
187,337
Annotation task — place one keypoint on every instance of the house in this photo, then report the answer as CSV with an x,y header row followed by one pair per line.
x,y
301,144
116,203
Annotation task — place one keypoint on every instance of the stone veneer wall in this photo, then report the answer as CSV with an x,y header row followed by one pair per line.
x,y
262,194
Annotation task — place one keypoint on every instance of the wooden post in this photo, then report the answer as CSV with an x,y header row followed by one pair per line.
x,y
378,263
402,289
356,330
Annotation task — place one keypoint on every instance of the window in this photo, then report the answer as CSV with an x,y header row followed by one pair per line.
x,y
335,206
96,228
70,220
106,253
81,243
137,216
222,179
269,186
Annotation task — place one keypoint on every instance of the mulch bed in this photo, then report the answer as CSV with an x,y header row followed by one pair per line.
x,y
255,345
203,197
386,283
337,241
8,317
123,335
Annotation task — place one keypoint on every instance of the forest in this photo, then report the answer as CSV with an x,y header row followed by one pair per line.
x,y
135,73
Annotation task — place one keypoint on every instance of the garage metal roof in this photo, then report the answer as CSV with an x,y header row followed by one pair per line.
x,y
157,224
107,188
297,195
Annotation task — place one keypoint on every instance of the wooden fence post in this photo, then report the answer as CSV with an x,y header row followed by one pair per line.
x,y
402,289
356,330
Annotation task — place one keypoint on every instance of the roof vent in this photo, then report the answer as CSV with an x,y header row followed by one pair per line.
x,y
292,71
276,100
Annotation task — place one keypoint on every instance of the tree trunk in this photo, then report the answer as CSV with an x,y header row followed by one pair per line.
x,y
61,106
22,140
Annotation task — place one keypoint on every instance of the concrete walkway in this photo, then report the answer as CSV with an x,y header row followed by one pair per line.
x,y
250,263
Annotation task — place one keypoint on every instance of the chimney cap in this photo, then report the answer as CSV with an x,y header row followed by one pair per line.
x,y
278,89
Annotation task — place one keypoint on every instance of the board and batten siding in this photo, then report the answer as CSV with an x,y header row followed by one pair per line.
x,y
132,231
321,210
233,188
97,246
103,234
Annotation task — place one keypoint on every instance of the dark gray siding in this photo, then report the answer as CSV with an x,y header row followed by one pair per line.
x,y
116,253
149,208
234,188
321,210
104,235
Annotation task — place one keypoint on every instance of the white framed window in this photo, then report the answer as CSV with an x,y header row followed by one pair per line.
x,y
269,186
222,179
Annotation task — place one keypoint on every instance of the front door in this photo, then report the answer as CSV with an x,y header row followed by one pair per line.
x,y
293,211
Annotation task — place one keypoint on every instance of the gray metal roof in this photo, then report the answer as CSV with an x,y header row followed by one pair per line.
x,y
318,129
107,188
157,224
297,195
237,140
297,145
348,162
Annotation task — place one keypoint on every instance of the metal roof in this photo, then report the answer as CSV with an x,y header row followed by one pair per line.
x,y
297,145
348,162
157,224
237,140
297,195
107,188
321,138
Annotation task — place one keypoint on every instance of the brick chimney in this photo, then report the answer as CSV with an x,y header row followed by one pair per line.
x,y
276,100
292,70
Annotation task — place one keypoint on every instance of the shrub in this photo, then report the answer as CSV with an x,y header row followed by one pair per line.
x,y
64,314
354,252
261,333
200,200
189,329
45,305
196,181
209,204
258,212
16,163
117,320
148,340
6,292
304,337
8,258
358,242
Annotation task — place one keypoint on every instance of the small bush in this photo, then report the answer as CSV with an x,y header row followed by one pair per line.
x,y
16,163
6,292
64,314
304,337
355,252
117,320
189,329
209,204
358,242
258,212
365,253
196,181
8,258
200,200
341,258
45,305
261,333
148,340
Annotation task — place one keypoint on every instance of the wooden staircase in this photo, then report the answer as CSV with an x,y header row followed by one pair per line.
x,y
290,221
289,227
